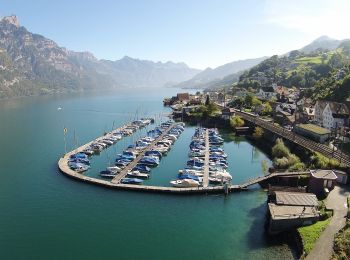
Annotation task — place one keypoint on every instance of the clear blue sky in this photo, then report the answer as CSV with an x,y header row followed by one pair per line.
x,y
201,33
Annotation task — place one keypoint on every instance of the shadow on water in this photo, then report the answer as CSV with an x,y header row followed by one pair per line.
x,y
259,232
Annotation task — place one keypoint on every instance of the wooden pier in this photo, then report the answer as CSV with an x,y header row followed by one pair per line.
x,y
131,165
206,160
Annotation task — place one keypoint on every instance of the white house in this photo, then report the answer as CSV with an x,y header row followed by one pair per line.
x,y
267,92
331,115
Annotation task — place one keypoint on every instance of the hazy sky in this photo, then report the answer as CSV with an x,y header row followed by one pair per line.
x,y
202,33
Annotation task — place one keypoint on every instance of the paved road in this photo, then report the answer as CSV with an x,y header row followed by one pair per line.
x,y
336,200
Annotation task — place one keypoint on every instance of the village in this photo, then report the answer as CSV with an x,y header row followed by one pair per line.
x,y
305,203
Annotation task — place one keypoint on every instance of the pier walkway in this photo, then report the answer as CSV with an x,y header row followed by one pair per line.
x,y
206,160
131,165
269,176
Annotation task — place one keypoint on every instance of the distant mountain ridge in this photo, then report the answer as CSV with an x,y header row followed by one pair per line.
x,y
323,42
209,77
31,64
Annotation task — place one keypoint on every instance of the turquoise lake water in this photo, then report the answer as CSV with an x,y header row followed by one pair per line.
x,y
45,215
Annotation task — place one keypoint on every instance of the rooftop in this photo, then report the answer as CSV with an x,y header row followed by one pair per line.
x,y
268,89
314,128
296,198
292,212
323,174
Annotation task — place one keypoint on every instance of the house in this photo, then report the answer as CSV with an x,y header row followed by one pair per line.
x,y
195,100
181,97
314,132
290,108
289,210
267,92
284,118
189,109
342,177
304,102
227,113
309,113
321,181
282,93
331,115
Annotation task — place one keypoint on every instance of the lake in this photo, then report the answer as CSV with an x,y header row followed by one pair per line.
x,y
45,215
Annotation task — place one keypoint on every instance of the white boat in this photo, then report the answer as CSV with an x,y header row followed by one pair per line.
x,y
193,172
114,169
217,180
107,174
107,141
161,148
222,175
138,174
185,183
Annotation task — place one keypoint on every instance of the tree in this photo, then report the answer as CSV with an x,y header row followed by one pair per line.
x,y
248,101
258,132
267,109
279,150
256,102
207,101
264,167
236,121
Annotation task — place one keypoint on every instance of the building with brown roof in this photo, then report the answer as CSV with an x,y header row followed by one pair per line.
x,y
183,97
289,210
321,181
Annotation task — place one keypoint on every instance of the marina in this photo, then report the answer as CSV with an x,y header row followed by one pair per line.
x,y
115,183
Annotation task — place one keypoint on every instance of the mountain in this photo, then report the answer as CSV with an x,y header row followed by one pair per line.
x,y
130,72
209,77
31,64
323,42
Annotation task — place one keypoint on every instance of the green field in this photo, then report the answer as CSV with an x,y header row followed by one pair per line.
x,y
314,60
311,233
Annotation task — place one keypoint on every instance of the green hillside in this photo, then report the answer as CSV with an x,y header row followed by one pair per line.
x,y
324,74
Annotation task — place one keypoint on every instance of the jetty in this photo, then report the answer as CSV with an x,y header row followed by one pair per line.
x,y
206,160
131,165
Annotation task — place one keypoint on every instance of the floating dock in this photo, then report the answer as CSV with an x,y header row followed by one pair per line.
x,y
206,161
131,165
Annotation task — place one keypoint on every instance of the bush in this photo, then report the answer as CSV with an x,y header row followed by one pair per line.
x,y
293,159
322,162
258,132
299,166
236,121
281,163
279,150
341,245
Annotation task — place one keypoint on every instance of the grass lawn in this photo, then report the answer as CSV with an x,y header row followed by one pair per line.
x,y
315,60
314,128
311,233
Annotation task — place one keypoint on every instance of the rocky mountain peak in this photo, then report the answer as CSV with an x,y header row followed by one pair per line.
x,y
12,19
